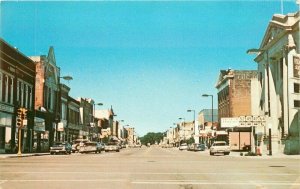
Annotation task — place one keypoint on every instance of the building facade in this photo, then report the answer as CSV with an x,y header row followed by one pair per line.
x,y
234,92
278,63
207,125
235,100
86,118
47,113
73,124
17,84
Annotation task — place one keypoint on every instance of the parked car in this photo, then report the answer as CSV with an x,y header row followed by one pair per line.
x,y
102,145
44,145
199,147
90,147
183,146
112,147
219,147
61,147
77,144
8,147
190,147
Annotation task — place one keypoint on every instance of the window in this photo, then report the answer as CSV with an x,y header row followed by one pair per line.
x,y
10,90
297,103
4,88
281,68
24,95
30,97
296,88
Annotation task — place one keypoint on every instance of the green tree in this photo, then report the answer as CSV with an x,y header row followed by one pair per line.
x,y
151,138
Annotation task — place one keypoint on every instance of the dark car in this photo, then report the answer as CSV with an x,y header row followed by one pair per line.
x,y
101,145
61,148
199,147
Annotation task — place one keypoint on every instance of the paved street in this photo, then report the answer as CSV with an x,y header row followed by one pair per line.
x,y
152,167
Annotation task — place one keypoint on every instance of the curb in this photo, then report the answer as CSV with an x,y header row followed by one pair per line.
x,y
23,155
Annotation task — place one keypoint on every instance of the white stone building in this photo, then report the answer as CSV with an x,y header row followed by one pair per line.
x,y
278,65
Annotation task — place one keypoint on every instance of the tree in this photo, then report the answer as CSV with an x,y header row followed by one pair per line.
x,y
152,138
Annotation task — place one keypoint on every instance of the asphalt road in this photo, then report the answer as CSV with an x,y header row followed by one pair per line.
x,y
152,167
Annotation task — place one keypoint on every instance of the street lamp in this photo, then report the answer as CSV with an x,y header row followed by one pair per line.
x,y
117,129
259,51
67,78
94,124
181,118
194,119
212,108
58,101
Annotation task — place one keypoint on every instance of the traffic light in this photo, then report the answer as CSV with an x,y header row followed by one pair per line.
x,y
24,113
19,112
19,122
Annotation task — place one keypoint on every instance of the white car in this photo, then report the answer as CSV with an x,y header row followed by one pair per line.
x,y
183,146
112,147
219,147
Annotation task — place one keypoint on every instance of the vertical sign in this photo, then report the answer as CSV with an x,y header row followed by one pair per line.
x,y
296,66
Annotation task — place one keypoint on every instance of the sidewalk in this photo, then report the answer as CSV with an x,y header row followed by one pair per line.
x,y
264,156
2,156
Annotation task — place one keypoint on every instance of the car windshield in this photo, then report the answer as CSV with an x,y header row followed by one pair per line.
x,y
220,144
58,144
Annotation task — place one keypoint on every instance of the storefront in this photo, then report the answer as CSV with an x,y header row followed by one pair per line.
x,y
5,129
40,136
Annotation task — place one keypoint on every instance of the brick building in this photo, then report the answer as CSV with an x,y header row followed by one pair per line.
x,y
234,100
234,92
17,84
47,114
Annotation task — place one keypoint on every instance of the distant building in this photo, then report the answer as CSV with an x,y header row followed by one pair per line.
x,y
207,124
106,123
86,118
74,127
17,86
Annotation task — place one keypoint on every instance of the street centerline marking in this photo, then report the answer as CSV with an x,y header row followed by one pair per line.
x,y
141,173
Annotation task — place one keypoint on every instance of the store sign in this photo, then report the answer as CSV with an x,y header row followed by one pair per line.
x,y
230,122
6,108
39,124
60,126
243,121
296,66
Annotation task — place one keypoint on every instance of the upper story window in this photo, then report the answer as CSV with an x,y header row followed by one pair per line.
x,y
6,86
296,88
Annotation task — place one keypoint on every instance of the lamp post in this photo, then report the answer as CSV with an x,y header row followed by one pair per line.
x,y
212,108
212,113
259,51
194,119
181,118
58,101
126,133
119,122
99,104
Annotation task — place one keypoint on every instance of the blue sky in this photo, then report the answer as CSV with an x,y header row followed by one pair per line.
x,y
150,60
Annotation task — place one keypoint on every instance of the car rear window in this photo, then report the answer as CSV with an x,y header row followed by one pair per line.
x,y
220,144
